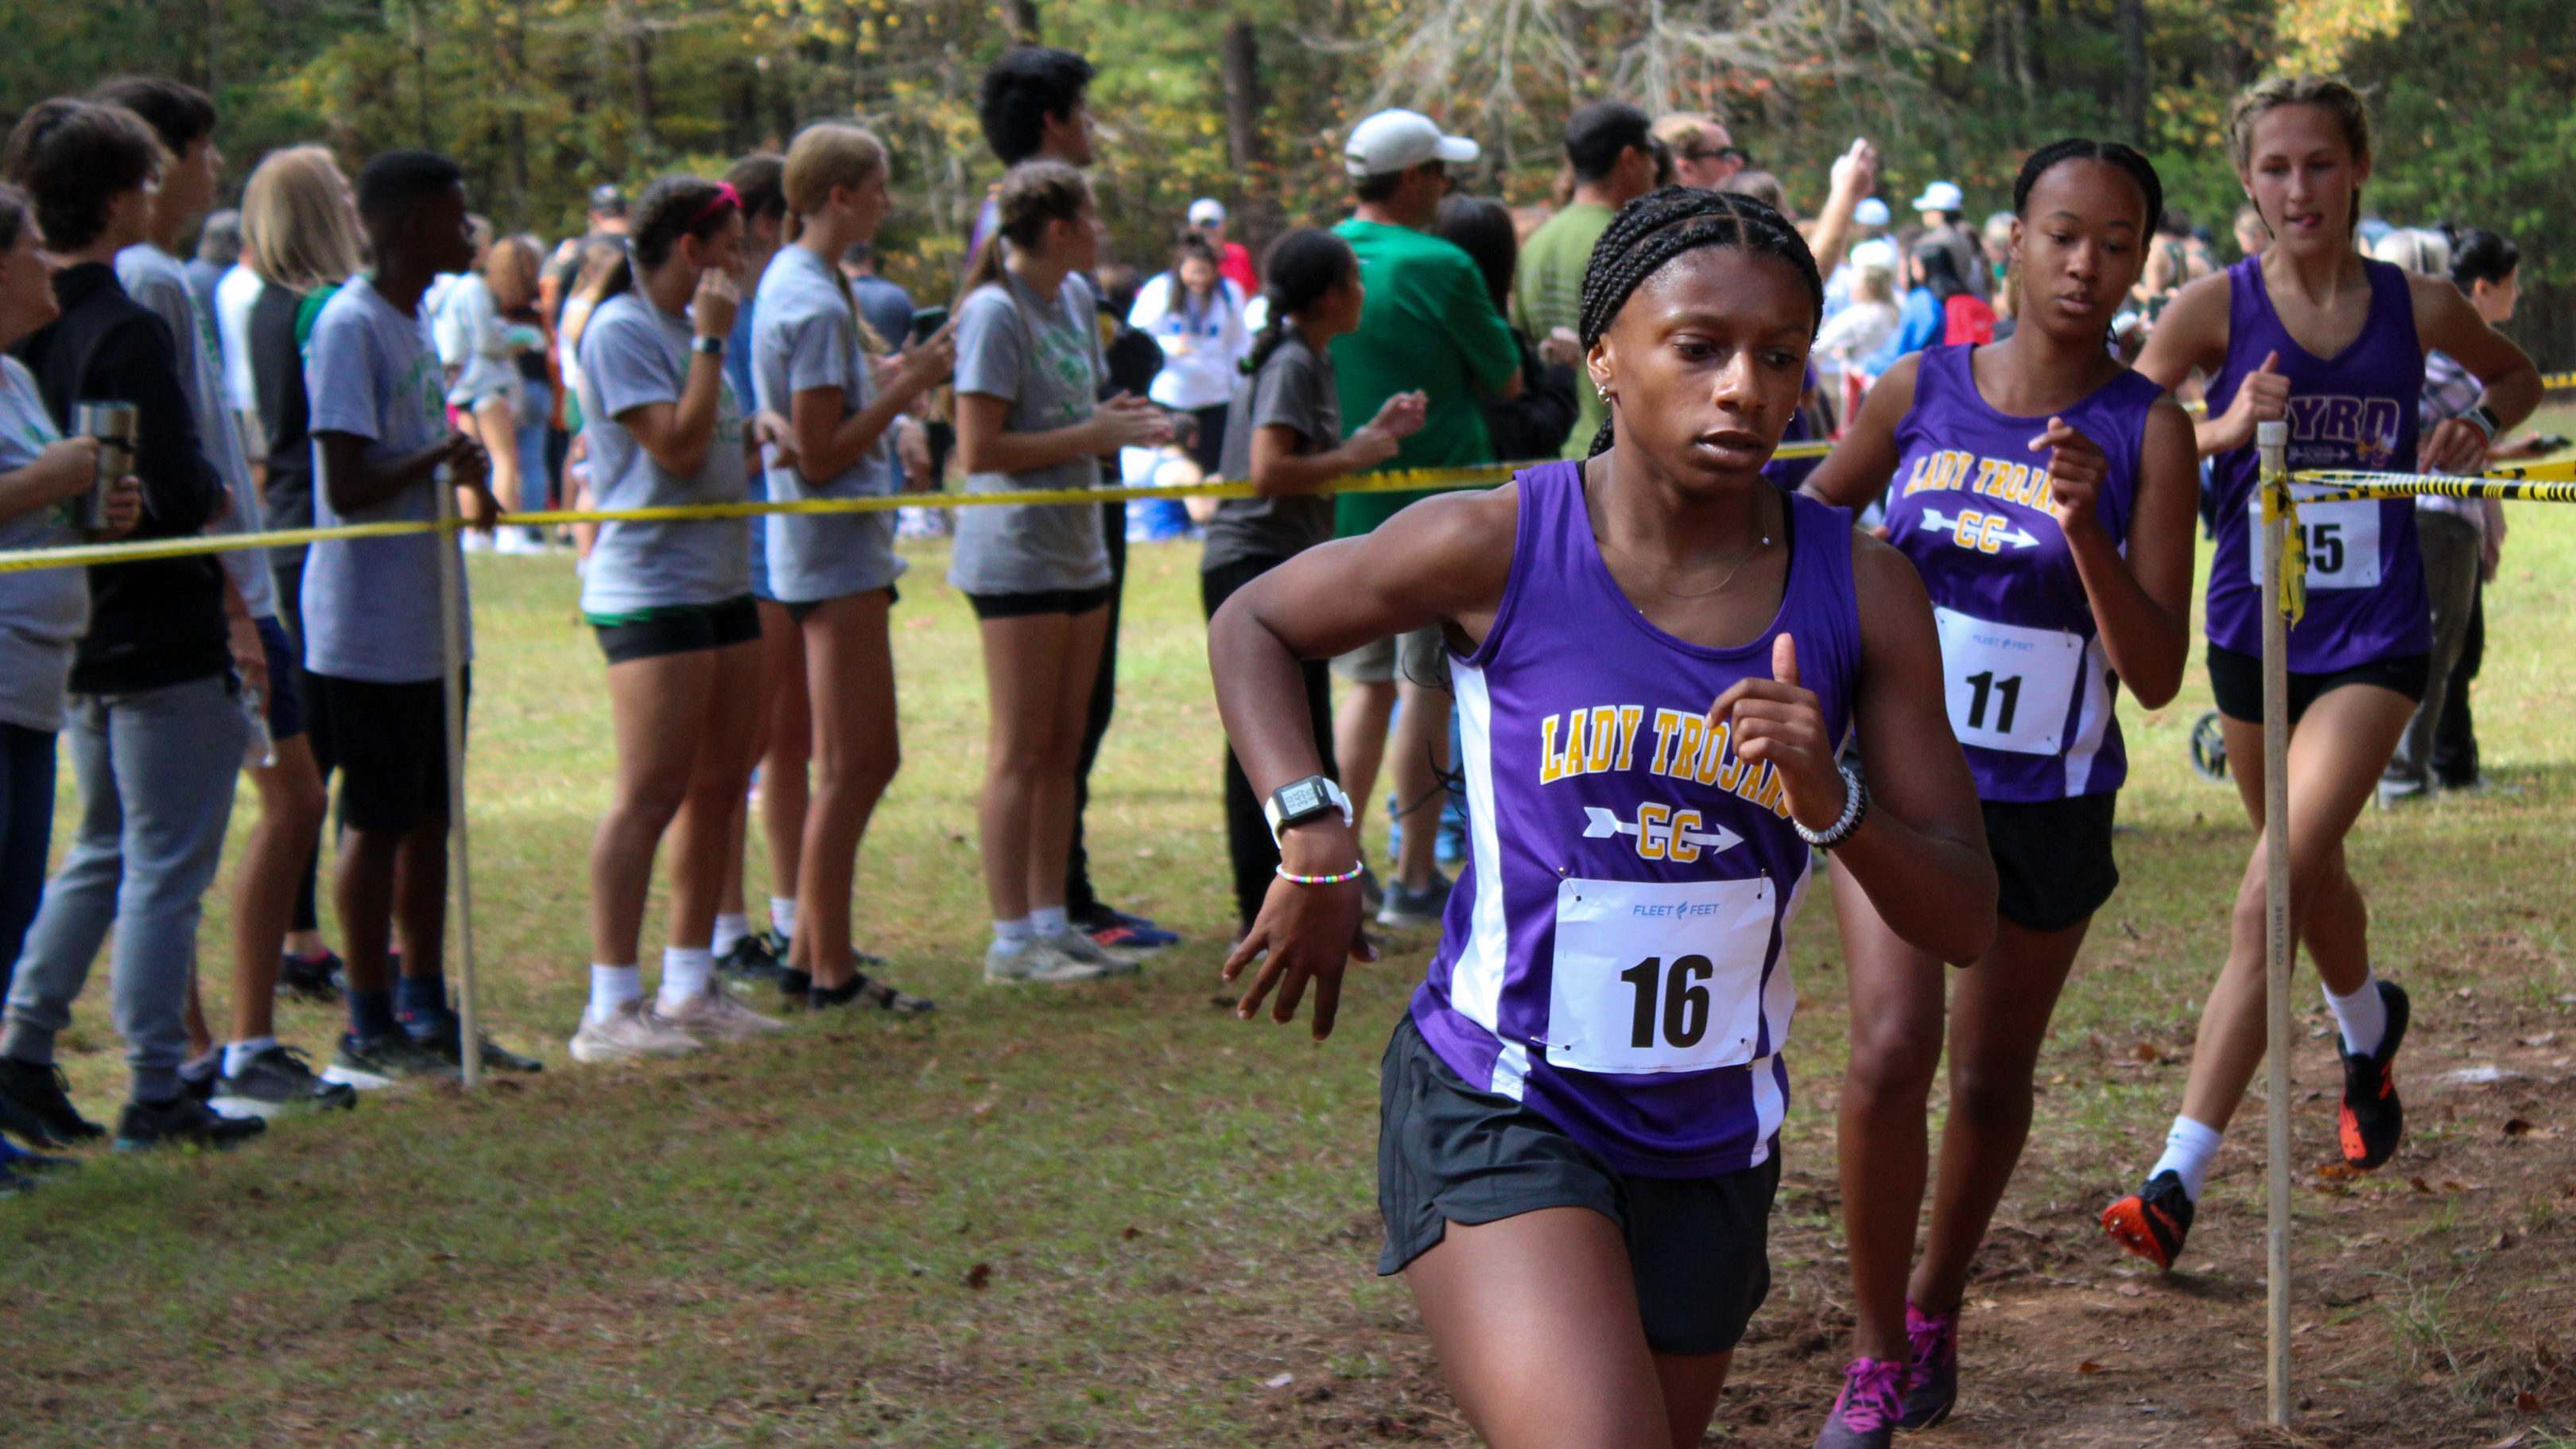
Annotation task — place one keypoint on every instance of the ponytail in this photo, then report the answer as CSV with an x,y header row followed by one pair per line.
x,y
1301,268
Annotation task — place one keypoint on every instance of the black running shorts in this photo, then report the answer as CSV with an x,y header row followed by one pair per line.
x,y
2236,678
677,629
390,741
1699,1247
2053,863
1043,601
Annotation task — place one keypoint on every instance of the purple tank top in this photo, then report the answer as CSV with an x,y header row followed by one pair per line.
x,y
2028,686
1612,952
2366,597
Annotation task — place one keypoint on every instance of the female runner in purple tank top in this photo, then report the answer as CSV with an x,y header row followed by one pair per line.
x,y
2314,332
1656,653
2047,495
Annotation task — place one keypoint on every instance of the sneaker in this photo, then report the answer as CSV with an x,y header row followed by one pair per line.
x,y
313,978
275,1080
2373,1119
443,1032
369,1062
1073,945
632,1033
197,1075
1931,1368
39,1095
1415,908
183,1121
1120,931
517,541
1038,961
2153,1221
2394,792
716,1015
22,1172
750,962
863,989
1865,1412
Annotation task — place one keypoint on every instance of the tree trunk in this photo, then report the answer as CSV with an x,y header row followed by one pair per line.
x,y
1242,75
639,67
2133,70
514,53
1020,17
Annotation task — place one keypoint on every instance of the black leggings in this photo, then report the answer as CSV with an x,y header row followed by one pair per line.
x,y
1247,830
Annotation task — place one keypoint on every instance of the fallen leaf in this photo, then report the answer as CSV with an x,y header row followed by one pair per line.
x,y
2527,1401
2510,1440
2088,1367
2145,1051
1278,1381
2419,1184
2518,1127
1130,1234
2129,1290
2543,1039
980,1277
2338,1171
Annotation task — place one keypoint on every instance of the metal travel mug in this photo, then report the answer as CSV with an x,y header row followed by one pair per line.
x,y
112,423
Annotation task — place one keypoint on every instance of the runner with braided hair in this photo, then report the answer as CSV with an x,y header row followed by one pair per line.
x,y
1656,653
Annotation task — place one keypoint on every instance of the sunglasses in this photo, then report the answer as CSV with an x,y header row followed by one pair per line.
x,y
1208,224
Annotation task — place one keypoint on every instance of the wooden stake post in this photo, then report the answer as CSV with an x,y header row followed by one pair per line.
x,y
2271,441
451,639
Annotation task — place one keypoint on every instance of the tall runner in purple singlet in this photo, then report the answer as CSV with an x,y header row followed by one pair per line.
x,y
2047,495
1656,653
2314,332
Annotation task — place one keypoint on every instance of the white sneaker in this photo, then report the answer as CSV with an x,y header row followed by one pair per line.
x,y
1037,961
1073,945
630,1034
516,541
477,541
716,1014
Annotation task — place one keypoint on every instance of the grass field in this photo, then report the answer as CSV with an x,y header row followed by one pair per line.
x,y
1116,1216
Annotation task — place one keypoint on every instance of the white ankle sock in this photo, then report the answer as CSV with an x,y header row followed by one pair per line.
x,y
2362,1017
730,929
2189,1146
782,915
686,970
612,987
1011,936
1048,921
237,1054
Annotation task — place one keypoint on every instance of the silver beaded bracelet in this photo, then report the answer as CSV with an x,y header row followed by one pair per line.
x,y
1855,810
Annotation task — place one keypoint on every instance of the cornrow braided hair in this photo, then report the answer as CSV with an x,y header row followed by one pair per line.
x,y
1649,232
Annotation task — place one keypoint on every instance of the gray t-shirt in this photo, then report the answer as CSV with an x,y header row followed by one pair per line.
x,y
152,277
634,353
371,604
803,338
43,612
1294,389
1045,360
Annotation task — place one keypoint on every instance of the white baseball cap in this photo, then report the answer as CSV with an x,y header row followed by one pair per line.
x,y
1207,209
1876,252
1392,141
1942,196
1870,212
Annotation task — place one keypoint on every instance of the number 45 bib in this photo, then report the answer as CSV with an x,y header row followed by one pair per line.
x,y
1658,976
2008,687
2341,540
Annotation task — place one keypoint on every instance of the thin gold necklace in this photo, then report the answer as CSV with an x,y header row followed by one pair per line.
x,y
1719,587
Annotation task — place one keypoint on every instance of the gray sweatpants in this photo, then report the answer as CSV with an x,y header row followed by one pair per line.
x,y
2450,545
156,773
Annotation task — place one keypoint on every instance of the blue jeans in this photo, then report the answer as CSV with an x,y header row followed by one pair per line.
x,y
26,829
156,773
536,402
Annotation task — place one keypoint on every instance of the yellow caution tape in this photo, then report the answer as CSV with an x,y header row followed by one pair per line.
x,y
2280,505
2556,380
1486,475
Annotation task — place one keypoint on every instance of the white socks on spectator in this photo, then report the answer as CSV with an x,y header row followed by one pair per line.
x,y
2362,1017
1048,921
237,1054
1013,936
782,915
686,970
730,929
612,987
2188,1149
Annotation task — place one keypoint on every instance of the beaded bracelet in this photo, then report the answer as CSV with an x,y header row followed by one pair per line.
x,y
1352,874
1855,810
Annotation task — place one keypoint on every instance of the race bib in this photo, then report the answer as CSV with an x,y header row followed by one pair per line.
x,y
2008,687
1658,976
2341,539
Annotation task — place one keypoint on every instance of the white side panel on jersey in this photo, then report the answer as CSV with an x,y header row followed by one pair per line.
x,y
1770,1107
2093,719
1476,977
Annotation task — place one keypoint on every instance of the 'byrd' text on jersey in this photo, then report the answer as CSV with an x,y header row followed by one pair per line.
x,y
2331,428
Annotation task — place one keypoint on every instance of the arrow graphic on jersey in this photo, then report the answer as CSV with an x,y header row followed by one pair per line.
x,y
1603,825
1971,535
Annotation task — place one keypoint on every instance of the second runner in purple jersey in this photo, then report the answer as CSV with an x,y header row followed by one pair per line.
x,y
2047,497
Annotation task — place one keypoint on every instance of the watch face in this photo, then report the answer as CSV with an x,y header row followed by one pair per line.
x,y
1301,797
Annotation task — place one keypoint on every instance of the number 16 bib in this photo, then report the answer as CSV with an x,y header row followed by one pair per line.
x,y
1658,976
